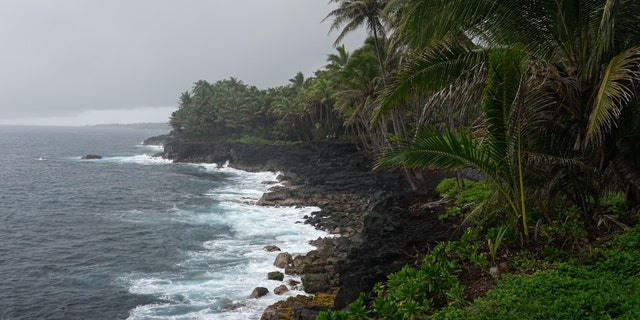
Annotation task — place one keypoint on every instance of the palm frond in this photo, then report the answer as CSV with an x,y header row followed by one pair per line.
x,y
614,92
460,99
431,71
504,83
432,148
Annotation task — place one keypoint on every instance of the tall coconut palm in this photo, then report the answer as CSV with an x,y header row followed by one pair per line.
x,y
291,117
336,63
320,100
353,14
356,96
298,81
587,52
177,119
513,106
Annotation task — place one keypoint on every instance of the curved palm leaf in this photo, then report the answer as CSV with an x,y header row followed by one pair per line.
x,y
614,92
433,148
430,72
511,106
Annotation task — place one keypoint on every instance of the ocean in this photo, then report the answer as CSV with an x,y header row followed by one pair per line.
x,y
132,236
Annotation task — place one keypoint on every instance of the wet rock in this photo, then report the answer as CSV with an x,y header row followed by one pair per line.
x,y
299,307
317,282
308,312
294,270
158,140
259,292
91,157
314,268
275,275
283,260
294,284
281,289
284,309
382,224
271,248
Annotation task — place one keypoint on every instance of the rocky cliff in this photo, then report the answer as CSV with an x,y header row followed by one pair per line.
x,y
382,224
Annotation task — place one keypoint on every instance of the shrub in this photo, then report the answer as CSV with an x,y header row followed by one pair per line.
x,y
606,289
411,291
255,140
473,193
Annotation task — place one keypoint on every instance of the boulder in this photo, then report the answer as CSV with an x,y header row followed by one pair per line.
x,y
283,260
299,307
297,270
308,312
259,292
271,248
317,282
91,157
283,309
294,284
275,275
281,289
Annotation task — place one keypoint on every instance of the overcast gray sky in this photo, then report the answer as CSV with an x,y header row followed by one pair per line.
x,y
77,62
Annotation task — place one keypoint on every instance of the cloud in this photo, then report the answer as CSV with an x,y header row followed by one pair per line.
x,y
62,58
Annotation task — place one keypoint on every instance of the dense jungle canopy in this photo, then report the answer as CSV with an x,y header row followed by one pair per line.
x,y
539,96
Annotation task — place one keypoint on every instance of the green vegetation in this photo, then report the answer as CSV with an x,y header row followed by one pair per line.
x,y
411,292
472,195
248,139
606,286
539,98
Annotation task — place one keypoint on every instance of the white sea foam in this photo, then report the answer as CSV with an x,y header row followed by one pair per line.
x,y
216,281
142,159
151,147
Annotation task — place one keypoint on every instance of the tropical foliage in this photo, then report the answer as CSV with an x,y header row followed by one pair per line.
x,y
555,98
603,287
538,98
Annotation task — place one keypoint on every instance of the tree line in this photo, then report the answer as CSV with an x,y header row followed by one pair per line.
x,y
539,96
323,106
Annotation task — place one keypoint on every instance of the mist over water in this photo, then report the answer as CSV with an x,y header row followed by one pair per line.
x,y
131,236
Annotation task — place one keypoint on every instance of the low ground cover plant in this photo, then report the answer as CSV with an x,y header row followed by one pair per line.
x,y
603,283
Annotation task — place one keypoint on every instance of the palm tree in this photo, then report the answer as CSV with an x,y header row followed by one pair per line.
x,y
586,52
353,14
355,98
320,101
513,106
298,81
177,119
291,117
337,61
592,48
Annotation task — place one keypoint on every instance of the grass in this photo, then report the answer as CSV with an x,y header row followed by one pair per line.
x,y
255,140
473,193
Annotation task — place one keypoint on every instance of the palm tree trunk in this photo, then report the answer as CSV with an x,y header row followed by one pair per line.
x,y
630,175
376,41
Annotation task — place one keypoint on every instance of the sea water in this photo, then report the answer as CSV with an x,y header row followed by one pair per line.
x,y
132,236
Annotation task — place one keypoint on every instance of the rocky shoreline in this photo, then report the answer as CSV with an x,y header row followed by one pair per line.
x,y
383,224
